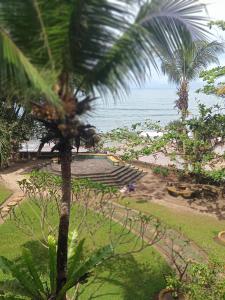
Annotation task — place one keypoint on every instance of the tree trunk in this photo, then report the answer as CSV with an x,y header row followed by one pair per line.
x,y
182,105
65,158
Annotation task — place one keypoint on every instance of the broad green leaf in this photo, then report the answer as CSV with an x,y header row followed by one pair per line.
x,y
30,264
21,275
75,255
96,258
72,244
52,249
16,67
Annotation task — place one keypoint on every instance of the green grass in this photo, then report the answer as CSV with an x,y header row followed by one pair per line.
x,y
4,193
135,276
199,228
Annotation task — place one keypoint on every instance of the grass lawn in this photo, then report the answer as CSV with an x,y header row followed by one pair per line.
x,y
199,228
4,193
135,276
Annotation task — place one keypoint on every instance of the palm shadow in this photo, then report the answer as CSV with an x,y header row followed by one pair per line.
x,y
135,280
39,254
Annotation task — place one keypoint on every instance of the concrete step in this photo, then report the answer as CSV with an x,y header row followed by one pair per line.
x,y
130,176
121,176
117,176
114,172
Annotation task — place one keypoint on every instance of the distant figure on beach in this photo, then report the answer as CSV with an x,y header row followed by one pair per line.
x,y
131,187
77,143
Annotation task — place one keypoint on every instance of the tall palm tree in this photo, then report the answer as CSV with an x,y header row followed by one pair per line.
x,y
186,64
56,49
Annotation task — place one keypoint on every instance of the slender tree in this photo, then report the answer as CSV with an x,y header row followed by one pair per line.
x,y
59,48
186,64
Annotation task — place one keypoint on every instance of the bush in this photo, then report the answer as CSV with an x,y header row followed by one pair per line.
x,y
203,282
163,171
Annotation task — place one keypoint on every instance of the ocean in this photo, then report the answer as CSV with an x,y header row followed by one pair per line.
x,y
140,105
143,104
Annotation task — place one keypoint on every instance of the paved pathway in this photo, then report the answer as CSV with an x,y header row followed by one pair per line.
x,y
10,178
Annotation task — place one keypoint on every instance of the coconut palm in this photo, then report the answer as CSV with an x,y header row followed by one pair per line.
x,y
186,64
63,53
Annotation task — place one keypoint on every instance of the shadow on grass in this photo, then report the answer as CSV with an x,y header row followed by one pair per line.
x,y
125,278
121,278
40,258
39,254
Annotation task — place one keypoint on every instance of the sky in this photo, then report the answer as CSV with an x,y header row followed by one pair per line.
x,y
216,11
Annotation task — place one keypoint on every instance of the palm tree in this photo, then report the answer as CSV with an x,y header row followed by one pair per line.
x,y
186,64
56,50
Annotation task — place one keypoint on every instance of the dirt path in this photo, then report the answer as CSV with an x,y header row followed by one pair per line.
x,y
153,188
10,178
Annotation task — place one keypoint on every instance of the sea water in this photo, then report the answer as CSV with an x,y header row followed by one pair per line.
x,y
143,104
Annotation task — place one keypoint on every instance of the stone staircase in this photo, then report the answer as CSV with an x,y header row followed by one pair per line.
x,y
118,177
121,176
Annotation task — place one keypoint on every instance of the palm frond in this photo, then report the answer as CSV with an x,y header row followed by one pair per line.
x,y
84,268
16,68
176,19
171,68
102,43
39,28
75,255
204,55
25,280
159,28
52,263
29,262
188,61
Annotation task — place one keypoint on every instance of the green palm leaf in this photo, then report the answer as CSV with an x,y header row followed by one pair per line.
x,y
72,243
103,44
24,278
52,262
12,297
10,287
158,29
74,257
96,258
16,67
29,263
187,62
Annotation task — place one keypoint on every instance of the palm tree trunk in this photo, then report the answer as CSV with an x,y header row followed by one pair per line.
x,y
65,158
182,105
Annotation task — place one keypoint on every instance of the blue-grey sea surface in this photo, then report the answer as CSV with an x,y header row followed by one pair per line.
x,y
142,104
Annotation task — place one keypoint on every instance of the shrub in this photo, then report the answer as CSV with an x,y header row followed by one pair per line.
x,y
163,171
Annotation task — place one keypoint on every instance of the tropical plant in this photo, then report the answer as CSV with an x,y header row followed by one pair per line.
x,y
203,133
202,281
163,171
214,78
186,65
68,50
5,144
27,282
17,126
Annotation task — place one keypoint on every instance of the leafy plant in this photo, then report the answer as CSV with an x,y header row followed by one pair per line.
x,y
186,65
33,285
203,282
161,171
214,81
